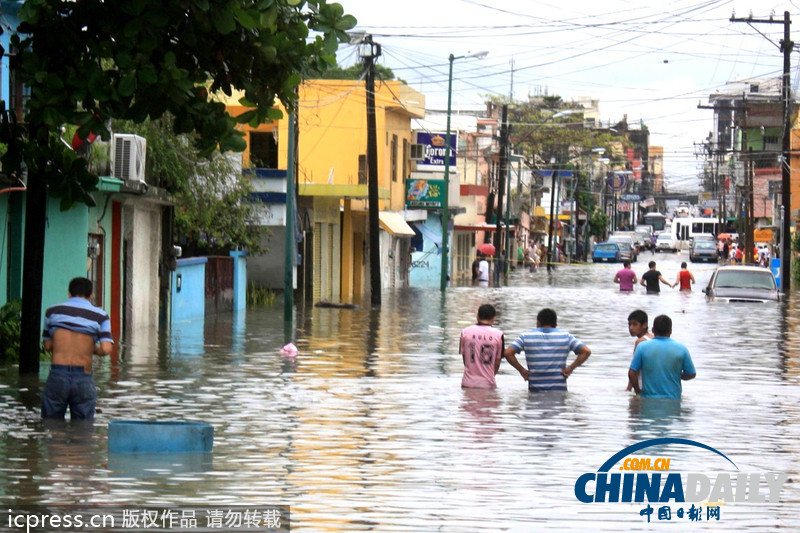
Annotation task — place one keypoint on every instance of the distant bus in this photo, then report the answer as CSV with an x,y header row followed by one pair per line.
x,y
657,220
686,228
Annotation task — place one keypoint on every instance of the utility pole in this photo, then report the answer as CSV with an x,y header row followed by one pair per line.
x,y
786,194
549,257
291,241
498,243
369,51
573,250
786,184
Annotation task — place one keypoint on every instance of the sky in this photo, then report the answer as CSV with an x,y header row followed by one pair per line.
x,y
654,62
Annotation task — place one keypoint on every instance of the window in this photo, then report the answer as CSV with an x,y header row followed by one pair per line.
x,y
405,158
95,270
394,157
263,149
362,169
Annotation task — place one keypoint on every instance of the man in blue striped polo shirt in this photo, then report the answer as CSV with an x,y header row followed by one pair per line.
x,y
74,331
546,349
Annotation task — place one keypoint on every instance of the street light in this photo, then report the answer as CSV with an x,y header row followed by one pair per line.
x,y
445,199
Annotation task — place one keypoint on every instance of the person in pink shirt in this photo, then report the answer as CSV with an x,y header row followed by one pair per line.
x,y
481,347
625,277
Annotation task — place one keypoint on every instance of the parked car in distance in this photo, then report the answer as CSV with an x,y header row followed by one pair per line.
x,y
703,250
739,283
608,252
647,229
643,239
703,237
666,242
628,237
626,252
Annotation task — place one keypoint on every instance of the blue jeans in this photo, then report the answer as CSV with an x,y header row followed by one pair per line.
x,y
68,386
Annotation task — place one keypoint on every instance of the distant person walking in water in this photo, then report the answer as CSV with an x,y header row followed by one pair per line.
x,y
625,277
476,272
663,363
74,331
650,279
481,347
483,271
546,349
685,278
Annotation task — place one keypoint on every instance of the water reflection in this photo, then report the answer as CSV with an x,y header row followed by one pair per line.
x,y
483,409
656,417
367,427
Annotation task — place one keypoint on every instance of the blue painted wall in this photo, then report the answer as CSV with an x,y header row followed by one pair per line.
x,y
11,21
239,280
189,289
426,266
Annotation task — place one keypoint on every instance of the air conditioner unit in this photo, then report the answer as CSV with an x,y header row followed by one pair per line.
x,y
128,156
416,152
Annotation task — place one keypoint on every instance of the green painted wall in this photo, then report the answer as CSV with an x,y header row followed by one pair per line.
x,y
4,247
11,235
17,207
64,250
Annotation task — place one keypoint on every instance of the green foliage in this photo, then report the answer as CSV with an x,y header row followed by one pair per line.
x,y
213,213
598,222
10,321
355,72
86,62
547,128
258,296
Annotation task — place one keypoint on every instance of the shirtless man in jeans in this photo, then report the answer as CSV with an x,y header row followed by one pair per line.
x,y
74,331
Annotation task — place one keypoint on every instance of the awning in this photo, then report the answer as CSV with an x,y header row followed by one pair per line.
x,y
428,233
395,224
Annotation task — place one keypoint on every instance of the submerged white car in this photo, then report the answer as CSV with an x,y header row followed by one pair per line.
x,y
743,284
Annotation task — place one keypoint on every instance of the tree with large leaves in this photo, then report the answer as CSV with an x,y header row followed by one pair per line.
x,y
548,129
88,61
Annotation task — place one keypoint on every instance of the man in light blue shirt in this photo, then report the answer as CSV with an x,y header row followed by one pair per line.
x,y
662,362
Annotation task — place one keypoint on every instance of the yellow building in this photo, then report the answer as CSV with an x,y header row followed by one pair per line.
x,y
331,180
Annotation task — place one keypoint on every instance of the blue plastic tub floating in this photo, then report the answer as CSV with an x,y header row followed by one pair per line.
x,y
135,436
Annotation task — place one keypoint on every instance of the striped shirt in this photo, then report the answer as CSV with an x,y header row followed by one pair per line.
x,y
546,351
78,315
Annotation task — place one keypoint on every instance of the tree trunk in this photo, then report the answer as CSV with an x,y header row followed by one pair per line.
x,y
33,266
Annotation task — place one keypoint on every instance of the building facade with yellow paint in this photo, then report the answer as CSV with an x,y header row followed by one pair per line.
x,y
331,177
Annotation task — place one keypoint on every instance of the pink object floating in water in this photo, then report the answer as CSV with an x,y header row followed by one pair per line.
x,y
289,349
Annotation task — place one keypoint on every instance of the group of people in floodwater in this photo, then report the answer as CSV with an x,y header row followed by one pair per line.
x,y
652,279
658,366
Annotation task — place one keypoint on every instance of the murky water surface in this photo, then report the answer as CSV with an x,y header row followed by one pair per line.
x,y
368,428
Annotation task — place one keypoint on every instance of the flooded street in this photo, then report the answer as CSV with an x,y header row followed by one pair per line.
x,y
368,429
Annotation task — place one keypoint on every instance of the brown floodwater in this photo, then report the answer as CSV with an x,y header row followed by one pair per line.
x,y
368,429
